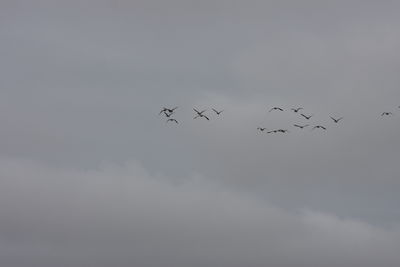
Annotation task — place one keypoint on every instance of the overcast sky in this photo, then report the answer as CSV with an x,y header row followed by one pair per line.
x,y
91,175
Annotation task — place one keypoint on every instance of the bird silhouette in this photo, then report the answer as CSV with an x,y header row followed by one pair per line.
x,y
172,120
336,120
282,131
296,109
261,129
386,114
300,126
199,112
275,108
167,114
318,127
218,112
170,110
306,117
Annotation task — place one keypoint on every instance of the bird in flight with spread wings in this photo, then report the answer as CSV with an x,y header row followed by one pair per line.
x,y
336,120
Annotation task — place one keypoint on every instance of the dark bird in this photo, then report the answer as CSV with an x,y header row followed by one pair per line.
x,y
318,127
199,112
275,108
218,112
336,120
305,116
282,131
172,120
201,116
261,129
386,114
273,131
300,126
170,110
296,109
167,114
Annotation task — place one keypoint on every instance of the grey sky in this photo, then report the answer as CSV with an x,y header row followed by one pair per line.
x,y
90,175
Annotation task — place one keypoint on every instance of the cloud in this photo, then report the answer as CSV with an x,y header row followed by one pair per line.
x,y
124,216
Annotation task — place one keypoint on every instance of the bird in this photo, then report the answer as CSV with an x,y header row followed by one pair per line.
x,y
163,110
305,116
300,126
173,121
282,131
199,112
261,129
296,109
218,112
201,116
318,127
167,114
336,120
273,131
170,110
386,114
275,108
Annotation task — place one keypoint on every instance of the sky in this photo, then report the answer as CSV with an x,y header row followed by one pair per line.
x,y
92,175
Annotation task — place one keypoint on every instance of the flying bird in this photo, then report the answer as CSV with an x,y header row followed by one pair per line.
x,y
261,129
275,108
172,120
386,114
300,126
201,116
336,120
167,114
170,110
282,131
305,116
218,112
318,127
296,109
199,112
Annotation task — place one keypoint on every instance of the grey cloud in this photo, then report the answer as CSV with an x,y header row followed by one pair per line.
x,y
121,215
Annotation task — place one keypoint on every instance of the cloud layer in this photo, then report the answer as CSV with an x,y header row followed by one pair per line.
x,y
123,216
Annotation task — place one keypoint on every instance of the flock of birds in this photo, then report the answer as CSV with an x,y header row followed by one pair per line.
x,y
169,112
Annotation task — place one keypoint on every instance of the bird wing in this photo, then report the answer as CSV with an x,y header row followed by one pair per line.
x,y
206,117
196,110
215,111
